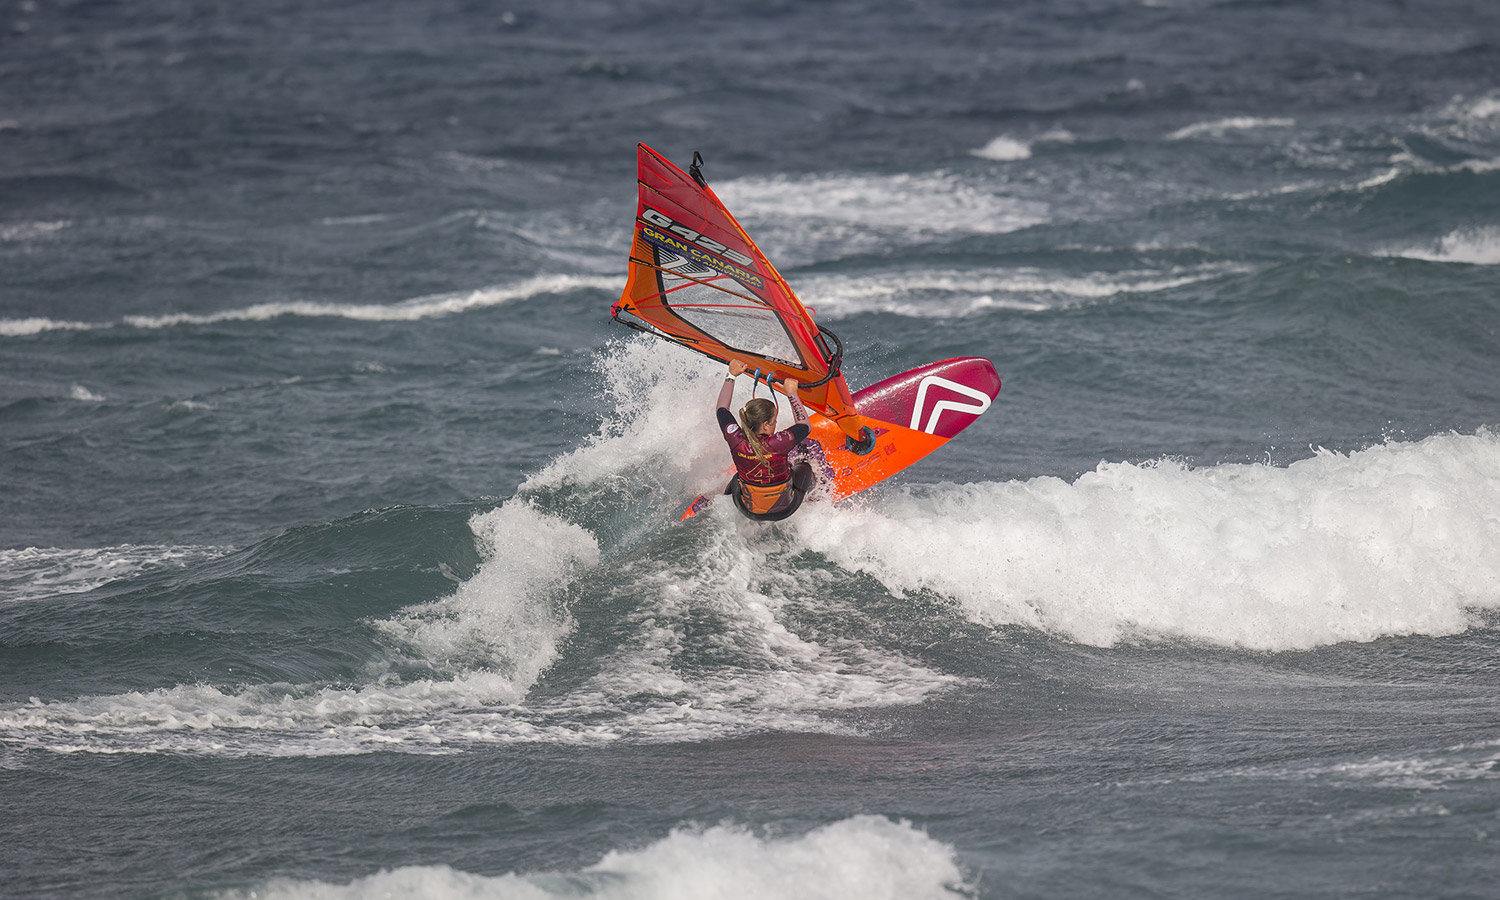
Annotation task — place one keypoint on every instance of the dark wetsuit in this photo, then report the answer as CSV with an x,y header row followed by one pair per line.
x,y
768,489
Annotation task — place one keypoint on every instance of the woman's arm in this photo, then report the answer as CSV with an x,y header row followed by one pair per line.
x,y
799,412
802,427
726,394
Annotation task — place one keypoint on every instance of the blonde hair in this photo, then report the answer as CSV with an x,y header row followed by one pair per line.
x,y
753,415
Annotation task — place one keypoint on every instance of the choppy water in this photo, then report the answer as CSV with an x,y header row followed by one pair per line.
x,y
338,552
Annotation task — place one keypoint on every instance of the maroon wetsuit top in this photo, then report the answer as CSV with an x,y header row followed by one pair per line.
x,y
753,470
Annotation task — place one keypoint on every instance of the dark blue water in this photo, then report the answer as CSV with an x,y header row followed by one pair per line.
x,y
338,540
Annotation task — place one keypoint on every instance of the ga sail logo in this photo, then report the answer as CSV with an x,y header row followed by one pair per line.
x,y
980,403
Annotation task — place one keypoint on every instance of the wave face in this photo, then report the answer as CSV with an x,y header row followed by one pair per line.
x,y
339,549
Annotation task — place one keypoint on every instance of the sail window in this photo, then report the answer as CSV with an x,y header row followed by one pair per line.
x,y
723,308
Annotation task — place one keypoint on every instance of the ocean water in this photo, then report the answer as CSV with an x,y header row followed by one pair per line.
x,y
338,542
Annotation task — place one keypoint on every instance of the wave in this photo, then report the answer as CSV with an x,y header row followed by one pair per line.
x,y
1393,539
28,231
651,632
639,467
1221,127
1475,109
1429,770
1485,108
862,856
467,668
806,218
406,311
1432,771
1004,149
84,395
276,720
500,620
954,293
40,572
1396,539
1405,169
37,325
464,670
1474,246
451,662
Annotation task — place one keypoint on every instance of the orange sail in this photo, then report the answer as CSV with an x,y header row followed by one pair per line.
x,y
698,280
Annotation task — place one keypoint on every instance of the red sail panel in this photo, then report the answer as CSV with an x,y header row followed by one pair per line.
x,y
696,278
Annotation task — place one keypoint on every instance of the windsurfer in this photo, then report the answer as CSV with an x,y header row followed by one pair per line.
x,y
766,486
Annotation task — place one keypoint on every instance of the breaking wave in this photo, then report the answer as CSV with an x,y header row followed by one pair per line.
x,y
1474,246
1396,539
864,856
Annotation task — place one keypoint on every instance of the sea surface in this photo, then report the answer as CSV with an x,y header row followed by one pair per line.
x,y
339,552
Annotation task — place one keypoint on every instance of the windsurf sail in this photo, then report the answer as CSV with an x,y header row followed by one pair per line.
x,y
698,280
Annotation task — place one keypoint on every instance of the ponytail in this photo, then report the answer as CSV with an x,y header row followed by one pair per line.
x,y
753,415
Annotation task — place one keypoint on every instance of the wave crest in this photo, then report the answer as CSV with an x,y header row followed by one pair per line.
x,y
1396,539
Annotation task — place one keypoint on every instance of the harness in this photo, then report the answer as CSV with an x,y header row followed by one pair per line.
x,y
760,499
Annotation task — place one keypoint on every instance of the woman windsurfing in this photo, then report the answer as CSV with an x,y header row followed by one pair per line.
x,y
766,486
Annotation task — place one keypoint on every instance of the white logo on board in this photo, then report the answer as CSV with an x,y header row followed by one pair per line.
x,y
982,402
